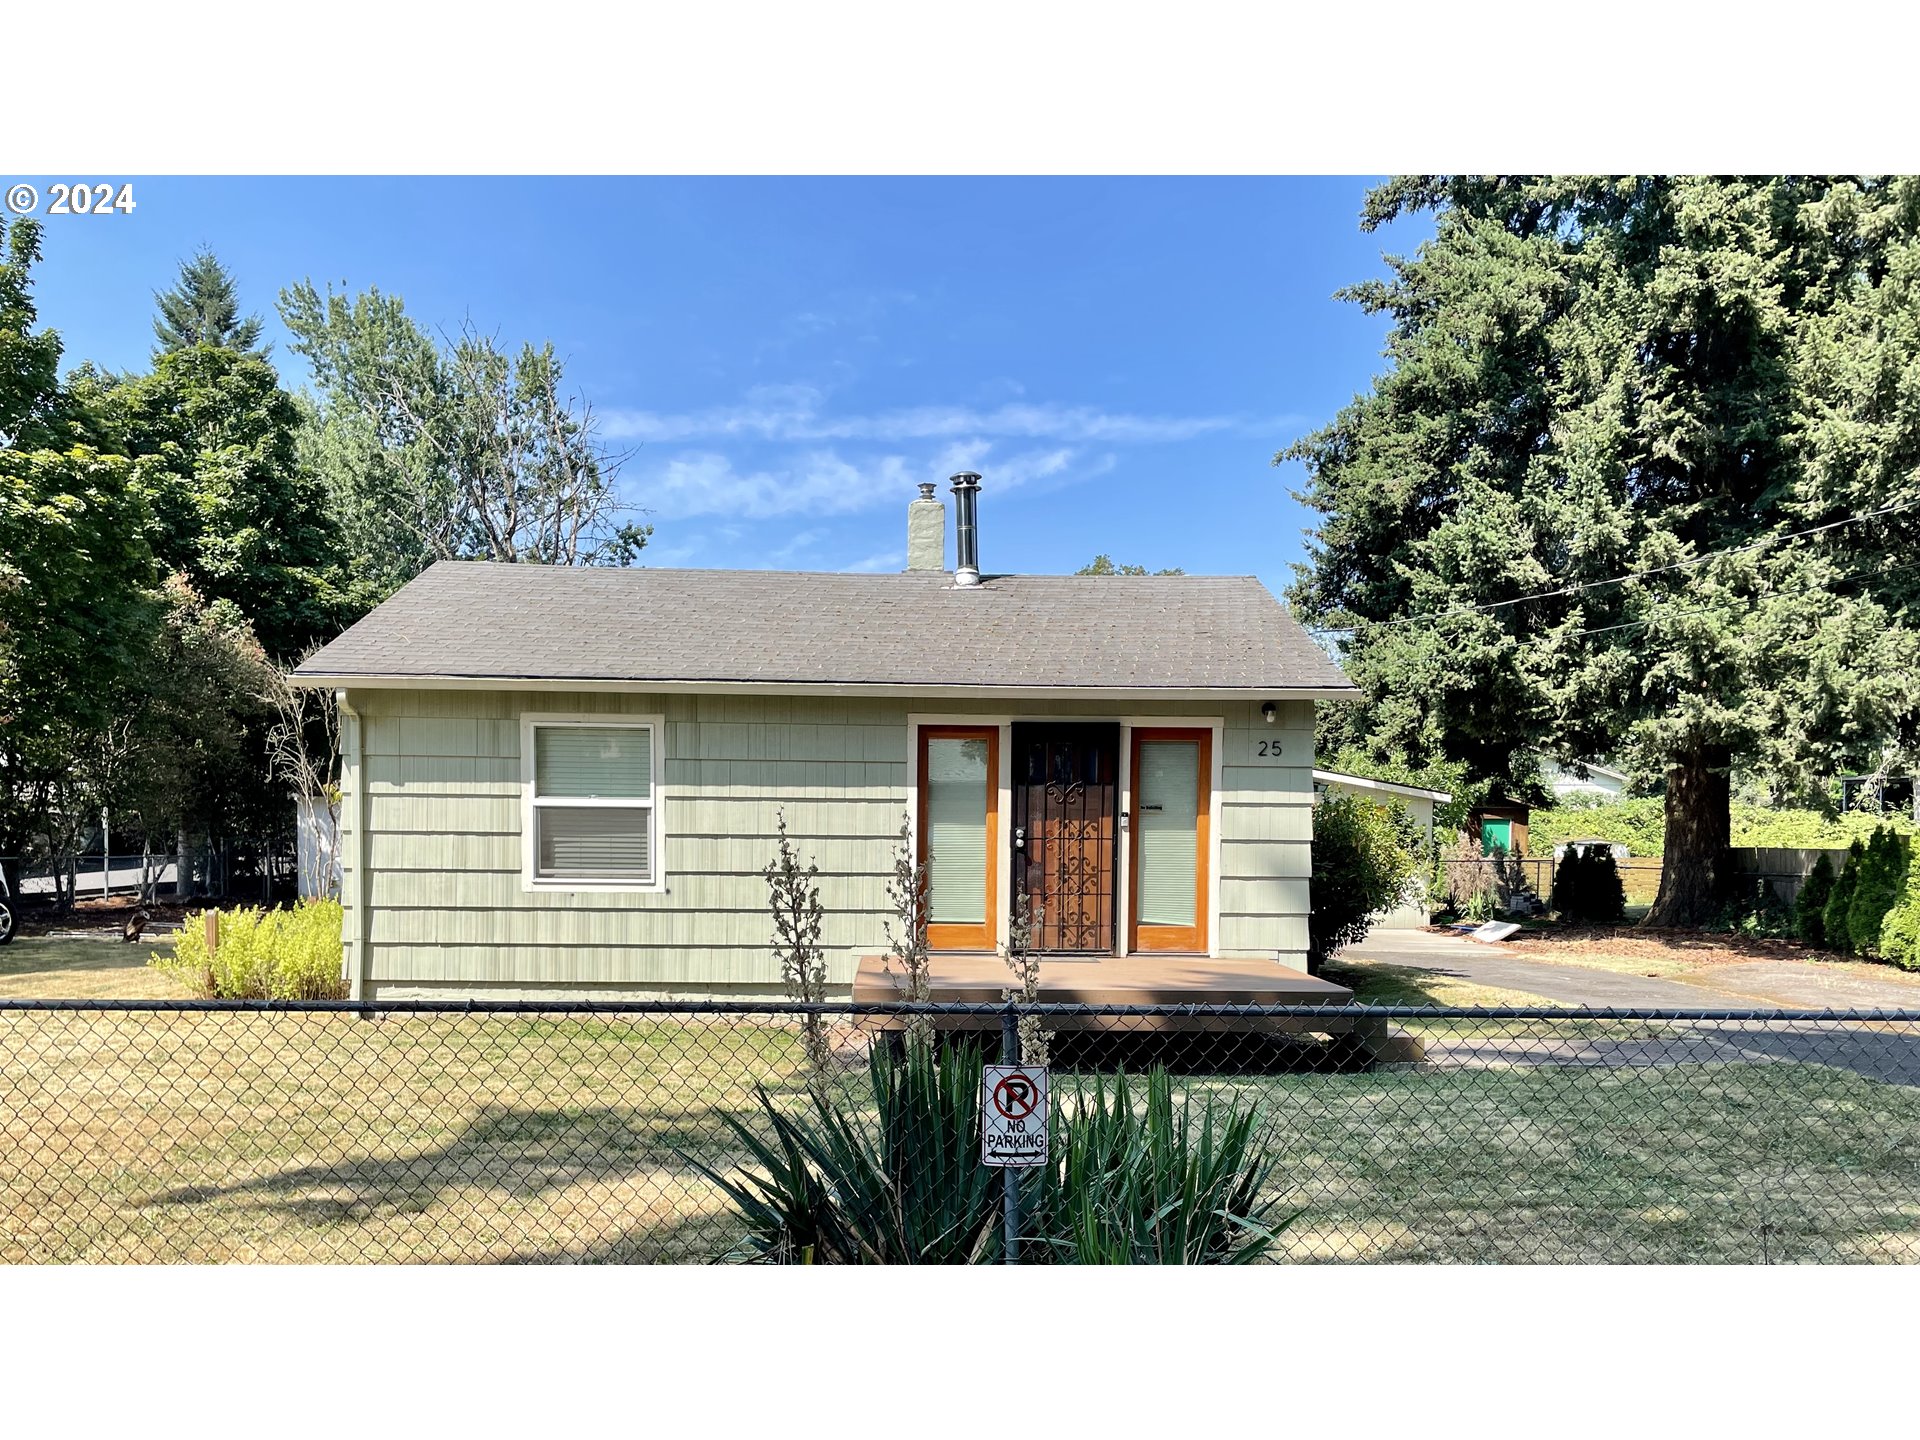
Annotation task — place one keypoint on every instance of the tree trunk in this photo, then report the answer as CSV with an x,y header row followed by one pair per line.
x,y
1699,829
182,867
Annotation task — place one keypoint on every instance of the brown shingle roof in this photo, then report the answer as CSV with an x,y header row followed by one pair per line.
x,y
476,620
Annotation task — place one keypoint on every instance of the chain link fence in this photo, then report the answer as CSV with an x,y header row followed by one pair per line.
x,y
209,1131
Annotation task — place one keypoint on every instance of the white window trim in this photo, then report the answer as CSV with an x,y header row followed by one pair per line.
x,y
530,882
1004,722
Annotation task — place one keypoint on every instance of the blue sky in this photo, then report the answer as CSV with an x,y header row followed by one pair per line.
x,y
1119,358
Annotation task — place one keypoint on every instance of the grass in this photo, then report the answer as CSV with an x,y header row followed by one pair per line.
x,y
42,967
1375,982
1688,954
277,1138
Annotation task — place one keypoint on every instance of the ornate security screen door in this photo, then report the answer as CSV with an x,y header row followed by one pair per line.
x,y
1066,833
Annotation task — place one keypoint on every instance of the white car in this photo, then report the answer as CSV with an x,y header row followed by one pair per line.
x,y
6,911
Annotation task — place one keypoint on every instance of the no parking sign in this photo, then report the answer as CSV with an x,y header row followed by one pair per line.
x,y
1013,1116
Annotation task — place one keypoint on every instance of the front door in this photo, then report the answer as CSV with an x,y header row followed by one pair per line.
x,y
1066,834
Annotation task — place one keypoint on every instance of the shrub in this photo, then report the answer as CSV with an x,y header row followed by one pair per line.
x,y
1882,881
1900,931
1124,1184
1809,906
909,1191
262,954
1587,888
1754,910
1639,823
1833,919
1154,1185
1361,865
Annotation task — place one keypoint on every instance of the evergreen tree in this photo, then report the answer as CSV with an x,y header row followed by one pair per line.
x,y
1833,919
213,438
203,309
1674,380
1810,905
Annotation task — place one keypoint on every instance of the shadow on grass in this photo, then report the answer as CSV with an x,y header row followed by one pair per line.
x,y
520,1154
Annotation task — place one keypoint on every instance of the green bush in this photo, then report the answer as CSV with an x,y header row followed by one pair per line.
x,y
1754,910
1882,882
1833,919
1587,888
1809,906
1153,1185
1124,1184
1900,931
1361,865
261,954
1640,824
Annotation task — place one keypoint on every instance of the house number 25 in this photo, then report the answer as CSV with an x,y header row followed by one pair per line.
x,y
1269,749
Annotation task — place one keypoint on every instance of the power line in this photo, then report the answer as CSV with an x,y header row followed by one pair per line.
x,y
1433,615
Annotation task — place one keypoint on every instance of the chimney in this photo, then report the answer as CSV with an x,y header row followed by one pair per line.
x,y
966,528
926,532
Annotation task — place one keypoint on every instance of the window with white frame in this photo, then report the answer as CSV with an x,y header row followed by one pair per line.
x,y
592,803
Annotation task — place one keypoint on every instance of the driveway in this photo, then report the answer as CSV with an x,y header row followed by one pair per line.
x,y
1888,1053
1488,965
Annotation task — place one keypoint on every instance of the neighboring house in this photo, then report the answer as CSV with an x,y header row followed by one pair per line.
x,y
566,781
1411,913
1601,780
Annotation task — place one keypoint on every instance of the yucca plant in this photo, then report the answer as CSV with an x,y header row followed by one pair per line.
x,y
1153,1186
907,1190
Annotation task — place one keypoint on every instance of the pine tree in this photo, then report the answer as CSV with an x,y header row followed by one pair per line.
x,y
1638,482
203,309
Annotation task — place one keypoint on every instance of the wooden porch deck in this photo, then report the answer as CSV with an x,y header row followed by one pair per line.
x,y
982,978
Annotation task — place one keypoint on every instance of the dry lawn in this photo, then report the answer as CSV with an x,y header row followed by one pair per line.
x,y
143,1137
39,967
1686,954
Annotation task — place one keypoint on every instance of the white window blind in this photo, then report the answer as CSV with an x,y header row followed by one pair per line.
x,y
956,824
593,761
602,843
1168,830
592,803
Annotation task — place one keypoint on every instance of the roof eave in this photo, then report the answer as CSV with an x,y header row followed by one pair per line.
x,y
321,680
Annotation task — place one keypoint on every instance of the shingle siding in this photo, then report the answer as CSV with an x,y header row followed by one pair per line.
x,y
448,911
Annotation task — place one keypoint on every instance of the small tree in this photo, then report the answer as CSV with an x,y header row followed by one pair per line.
x,y
1809,906
1586,886
793,895
1882,881
1020,958
907,931
1360,867
1833,918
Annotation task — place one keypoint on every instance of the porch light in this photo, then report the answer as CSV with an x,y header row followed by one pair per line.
x,y
1269,712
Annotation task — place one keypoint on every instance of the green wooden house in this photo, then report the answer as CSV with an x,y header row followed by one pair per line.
x,y
565,782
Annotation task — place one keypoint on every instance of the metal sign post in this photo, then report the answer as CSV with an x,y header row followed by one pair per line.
x,y
1013,1124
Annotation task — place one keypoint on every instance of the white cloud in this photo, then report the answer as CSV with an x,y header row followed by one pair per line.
x,y
824,483
793,414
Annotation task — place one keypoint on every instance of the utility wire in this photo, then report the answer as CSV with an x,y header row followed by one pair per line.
x,y
1697,560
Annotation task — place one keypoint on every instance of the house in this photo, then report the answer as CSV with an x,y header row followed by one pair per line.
x,y
565,782
1412,913
1601,781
